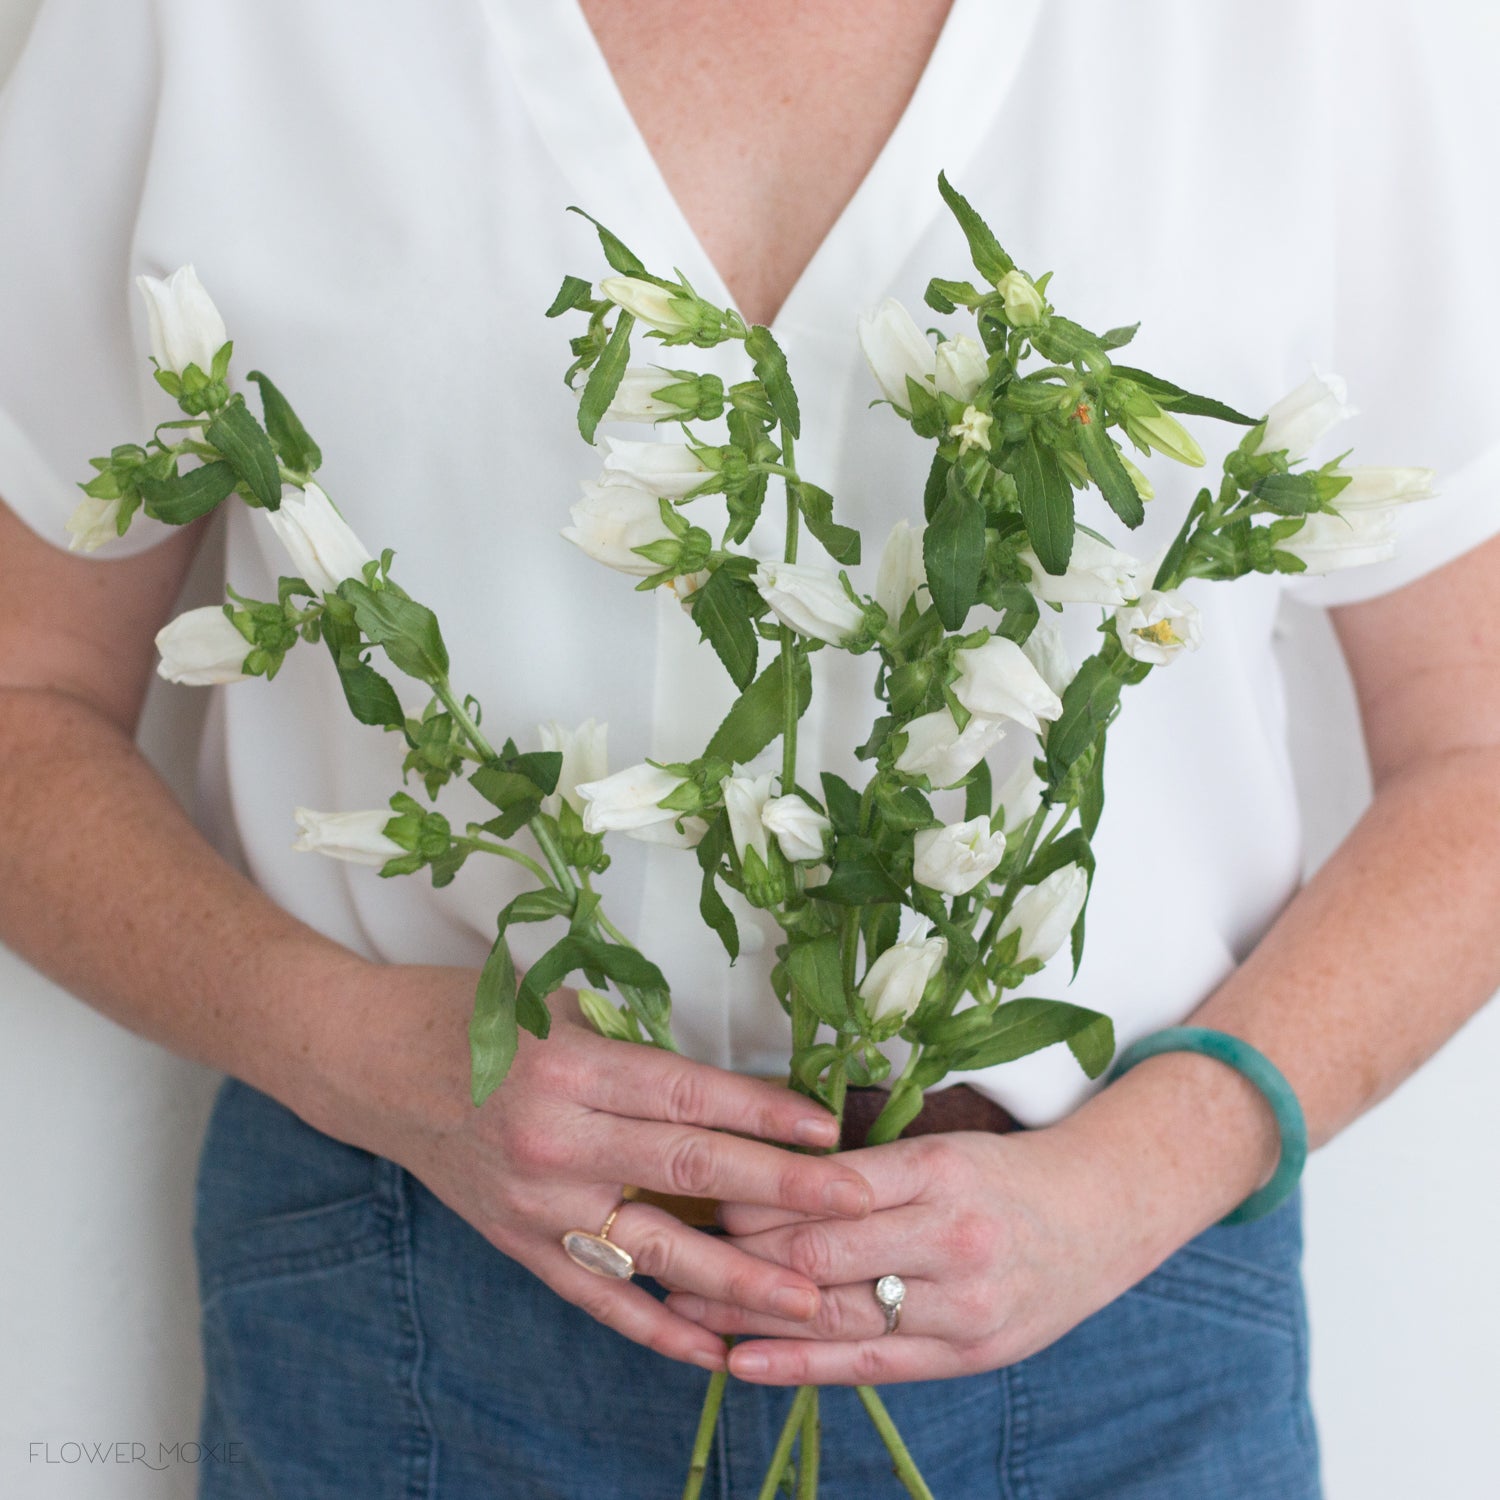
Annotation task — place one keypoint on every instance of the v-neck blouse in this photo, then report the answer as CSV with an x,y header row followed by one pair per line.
x,y
375,197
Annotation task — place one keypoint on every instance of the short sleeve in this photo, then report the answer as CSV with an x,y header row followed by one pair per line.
x,y
1414,171
76,124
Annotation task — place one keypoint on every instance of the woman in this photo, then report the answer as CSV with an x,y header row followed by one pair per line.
x,y
379,214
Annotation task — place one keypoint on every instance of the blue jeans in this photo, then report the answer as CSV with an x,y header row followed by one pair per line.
x,y
362,1342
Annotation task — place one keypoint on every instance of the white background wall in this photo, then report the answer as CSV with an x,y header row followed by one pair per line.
x,y
99,1131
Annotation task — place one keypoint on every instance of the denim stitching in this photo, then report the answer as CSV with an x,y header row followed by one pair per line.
x,y
422,1446
1182,1293
1016,1468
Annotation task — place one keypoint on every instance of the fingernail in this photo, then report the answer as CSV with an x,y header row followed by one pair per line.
x,y
687,1306
847,1198
746,1362
824,1132
793,1302
707,1359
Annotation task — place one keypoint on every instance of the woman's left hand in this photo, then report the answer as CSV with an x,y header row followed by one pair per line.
x,y
1004,1243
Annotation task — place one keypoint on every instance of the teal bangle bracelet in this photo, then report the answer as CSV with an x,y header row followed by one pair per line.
x,y
1265,1075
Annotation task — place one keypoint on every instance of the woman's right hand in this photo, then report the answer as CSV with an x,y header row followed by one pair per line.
x,y
577,1118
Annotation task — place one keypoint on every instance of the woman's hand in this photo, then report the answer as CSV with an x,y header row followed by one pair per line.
x,y
578,1117
1005,1242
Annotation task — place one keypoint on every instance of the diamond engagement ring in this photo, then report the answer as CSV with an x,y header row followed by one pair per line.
x,y
890,1293
597,1252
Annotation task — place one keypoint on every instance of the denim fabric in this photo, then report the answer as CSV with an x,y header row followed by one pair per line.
x,y
362,1342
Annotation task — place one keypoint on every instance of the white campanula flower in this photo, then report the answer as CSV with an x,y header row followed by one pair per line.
x,y
1097,574
186,328
658,307
669,470
811,600
1302,416
937,749
202,649
999,681
1023,303
801,830
93,524
1159,626
629,802
956,858
634,399
895,981
745,799
323,548
960,367
1369,486
1020,795
894,347
584,758
1045,651
902,573
611,521
972,430
358,838
1044,913
1326,543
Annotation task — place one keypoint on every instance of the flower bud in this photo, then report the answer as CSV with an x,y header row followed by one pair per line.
x,y
894,347
1301,417
1370,486
356,837
801,830
323,548
956,858
1023,303
646,394
998,681
937,749
202,648
811,600
1165,434
584,758
745,798
1158,627
611,521
186,328
902,572
92,524
1097,574
960,367
1044,913
668,470
895,981
658,307
629,802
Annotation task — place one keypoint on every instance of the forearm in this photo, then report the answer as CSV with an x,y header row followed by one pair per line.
x,y
107,887
1374,964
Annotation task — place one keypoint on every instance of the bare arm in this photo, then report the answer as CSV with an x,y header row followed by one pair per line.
x,y
106,886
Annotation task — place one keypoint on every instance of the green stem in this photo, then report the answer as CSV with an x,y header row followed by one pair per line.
x,y
461,716
484,846
901,1460
811,1454
708,1421
781,1454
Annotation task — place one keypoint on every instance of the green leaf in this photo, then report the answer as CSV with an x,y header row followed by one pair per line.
x,y
721,611
616,252
1094,1045
818,978
1288,494
516,795
371,699
1046,504
1174,398
407,631
184,497
1105,468
606,1019
842,802
1021,1027
288,435
574,292
1180,543
771,371
1071,849
1091,799
979,796
711,905
1089,703
604,379
840,542
936,487
625,966
757,715
492,1028
243,441
859,879
953,553
1117,338
989,259
540,766
536,906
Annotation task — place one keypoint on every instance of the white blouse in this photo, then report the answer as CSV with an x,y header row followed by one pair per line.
x,y
374,194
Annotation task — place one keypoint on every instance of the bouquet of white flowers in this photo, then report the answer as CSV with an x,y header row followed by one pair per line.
x,y
912,906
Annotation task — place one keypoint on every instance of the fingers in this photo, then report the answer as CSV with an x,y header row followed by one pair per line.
x,y
705,1164
845,1314
663,1086
831,1252
880,1361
